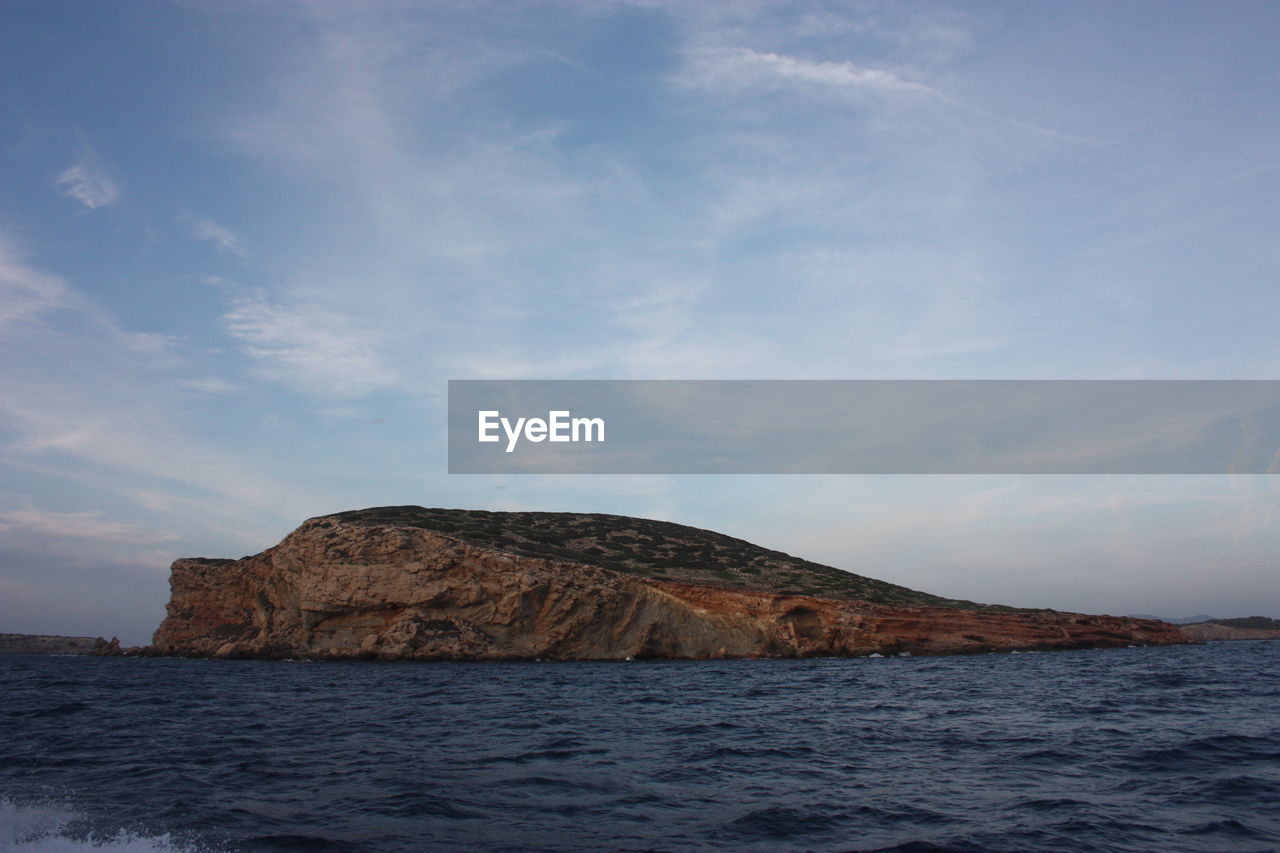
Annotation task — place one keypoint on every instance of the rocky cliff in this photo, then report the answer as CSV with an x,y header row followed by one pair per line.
x,y
412,583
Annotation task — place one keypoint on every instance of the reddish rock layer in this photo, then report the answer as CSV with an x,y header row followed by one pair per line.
x,y
338,590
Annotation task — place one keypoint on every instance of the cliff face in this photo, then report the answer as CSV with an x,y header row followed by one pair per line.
x,y
351,588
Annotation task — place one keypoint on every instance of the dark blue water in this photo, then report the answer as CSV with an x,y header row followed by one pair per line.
x,y
1164,749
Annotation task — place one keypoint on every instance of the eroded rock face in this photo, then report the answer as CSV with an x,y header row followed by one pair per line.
x,y
338,590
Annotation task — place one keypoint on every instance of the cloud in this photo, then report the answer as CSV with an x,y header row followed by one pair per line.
x,y
739,68
89,403
221,237
77,525
25,293
210,385
305,344
89,185
474,207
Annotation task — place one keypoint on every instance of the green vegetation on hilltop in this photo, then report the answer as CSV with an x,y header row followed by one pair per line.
x,y
653,549
1261,622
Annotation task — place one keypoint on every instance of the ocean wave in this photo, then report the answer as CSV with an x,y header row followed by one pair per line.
x,y
51,828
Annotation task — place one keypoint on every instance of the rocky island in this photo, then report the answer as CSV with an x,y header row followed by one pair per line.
x,y
408,582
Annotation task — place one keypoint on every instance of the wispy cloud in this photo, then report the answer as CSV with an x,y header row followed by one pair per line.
x,y
744,68
89,184
90,403
310,346
27,295
26,292
210,385
77,525
220,236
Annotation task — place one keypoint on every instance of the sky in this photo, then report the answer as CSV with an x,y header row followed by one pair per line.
x,y
244,246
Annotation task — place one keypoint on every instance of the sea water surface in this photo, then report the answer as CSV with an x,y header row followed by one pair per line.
x,y
1163,749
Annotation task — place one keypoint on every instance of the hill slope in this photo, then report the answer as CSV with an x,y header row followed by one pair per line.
x,y
661,550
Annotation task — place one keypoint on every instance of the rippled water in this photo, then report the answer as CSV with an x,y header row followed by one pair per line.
x,y
1165,749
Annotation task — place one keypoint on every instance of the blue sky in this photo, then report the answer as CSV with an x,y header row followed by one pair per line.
x,y
243,246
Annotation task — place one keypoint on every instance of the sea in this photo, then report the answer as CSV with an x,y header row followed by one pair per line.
x,y
1139,749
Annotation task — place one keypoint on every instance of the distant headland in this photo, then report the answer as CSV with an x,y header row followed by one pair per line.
x,y
396,583
1244,628
51,644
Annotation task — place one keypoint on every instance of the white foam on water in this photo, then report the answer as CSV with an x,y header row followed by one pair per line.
x,y
47,828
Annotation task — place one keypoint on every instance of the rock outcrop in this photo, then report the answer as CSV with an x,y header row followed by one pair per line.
x,y
391,584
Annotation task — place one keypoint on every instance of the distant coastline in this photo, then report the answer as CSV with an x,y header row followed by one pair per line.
x,y
1245,628
53,644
